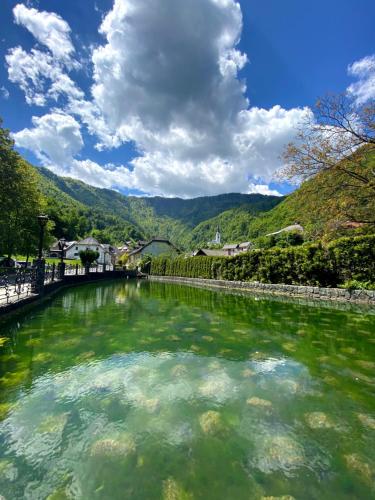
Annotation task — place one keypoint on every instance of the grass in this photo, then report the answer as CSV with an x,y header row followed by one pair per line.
x,y
49,260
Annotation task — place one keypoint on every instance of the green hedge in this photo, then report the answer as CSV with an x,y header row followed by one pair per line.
x,y
310,264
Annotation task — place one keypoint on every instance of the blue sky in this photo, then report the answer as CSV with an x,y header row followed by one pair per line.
x,y
163,86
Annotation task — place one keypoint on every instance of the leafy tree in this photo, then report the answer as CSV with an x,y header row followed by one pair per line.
x,y
88,257
20,200
340,136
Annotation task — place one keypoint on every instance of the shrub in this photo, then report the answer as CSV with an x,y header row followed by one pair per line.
x,y
309,264
88,257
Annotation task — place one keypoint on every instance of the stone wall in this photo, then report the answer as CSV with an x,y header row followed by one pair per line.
x,y
309,292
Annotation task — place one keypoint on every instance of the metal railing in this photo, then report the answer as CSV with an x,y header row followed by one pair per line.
x,y
15,284
18,283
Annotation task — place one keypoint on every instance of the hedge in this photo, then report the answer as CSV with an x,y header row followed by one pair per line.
x,y
313,264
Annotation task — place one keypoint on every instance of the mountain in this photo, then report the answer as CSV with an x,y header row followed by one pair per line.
x,y
323,205
79,209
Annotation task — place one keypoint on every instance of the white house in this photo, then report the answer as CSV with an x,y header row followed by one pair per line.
x,y
106,252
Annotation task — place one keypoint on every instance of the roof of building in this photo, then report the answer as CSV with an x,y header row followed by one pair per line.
x,y
160,240
293,227
89,241
209,252
244,244
230,247
55,247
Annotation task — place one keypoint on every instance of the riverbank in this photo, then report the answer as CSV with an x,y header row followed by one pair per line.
x,y
309,292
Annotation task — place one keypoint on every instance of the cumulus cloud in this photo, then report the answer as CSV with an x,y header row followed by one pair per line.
x,y
48,28
56,140
364,70
39,76
167,79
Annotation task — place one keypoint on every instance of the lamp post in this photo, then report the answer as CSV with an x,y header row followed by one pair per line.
x,y
61,267
42,220
37,285
62,243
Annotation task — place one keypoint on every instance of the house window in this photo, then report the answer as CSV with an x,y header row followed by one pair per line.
x,y
76,248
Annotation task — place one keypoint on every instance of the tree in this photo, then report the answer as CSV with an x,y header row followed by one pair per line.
x,y
88,257
339,136
20,200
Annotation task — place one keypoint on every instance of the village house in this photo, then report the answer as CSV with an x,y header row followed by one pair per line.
x,y
208,252
226,251
107,253
230,250
154,247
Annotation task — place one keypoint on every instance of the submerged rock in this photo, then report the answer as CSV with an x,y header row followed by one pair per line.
x,y
151,405
289,346
248,372
43,357
208,338
318,420
7,470
211,422
367,365
189,329
214,365
5,408
179,370
279,452
355,463
53,423
366,420
218,386
174,491
173,338
121,447
283,497
259,402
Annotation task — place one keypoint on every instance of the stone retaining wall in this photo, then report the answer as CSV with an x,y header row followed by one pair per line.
x,y
309,292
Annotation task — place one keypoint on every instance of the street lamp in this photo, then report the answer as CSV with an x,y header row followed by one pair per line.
x,y
62,243
42,221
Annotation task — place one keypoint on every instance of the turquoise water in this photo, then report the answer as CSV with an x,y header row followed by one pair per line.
x,y
148,390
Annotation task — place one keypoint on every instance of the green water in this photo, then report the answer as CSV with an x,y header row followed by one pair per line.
x,y
158,391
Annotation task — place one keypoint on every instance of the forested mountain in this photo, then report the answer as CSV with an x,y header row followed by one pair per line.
x,y
79,209
323,205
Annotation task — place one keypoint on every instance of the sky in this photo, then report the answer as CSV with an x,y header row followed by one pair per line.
x,y
176,97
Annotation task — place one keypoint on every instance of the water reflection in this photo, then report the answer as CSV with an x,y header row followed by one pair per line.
x,y
165,391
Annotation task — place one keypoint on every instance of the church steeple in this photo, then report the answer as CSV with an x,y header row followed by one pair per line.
x,y
218,236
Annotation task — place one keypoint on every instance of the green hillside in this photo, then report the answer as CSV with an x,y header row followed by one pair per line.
x,y
322,205
79,209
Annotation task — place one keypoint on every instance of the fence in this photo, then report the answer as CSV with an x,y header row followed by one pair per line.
x,y
18,284
15,284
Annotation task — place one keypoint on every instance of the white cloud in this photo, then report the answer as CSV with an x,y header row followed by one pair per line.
x,y
166,78
4,92
55,139
364,70
48,28
40,76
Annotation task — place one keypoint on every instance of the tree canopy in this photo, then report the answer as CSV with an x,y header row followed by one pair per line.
x,y
20,201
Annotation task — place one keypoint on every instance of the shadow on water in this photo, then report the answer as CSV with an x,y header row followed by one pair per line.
x,y
155,390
